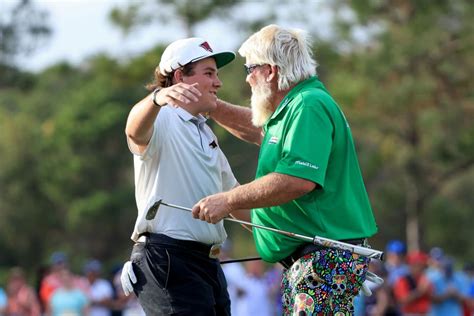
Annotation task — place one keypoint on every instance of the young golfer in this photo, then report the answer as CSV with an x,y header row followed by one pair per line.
x,y
177,158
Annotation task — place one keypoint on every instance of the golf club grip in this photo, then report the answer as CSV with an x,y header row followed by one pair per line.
x,y
360,250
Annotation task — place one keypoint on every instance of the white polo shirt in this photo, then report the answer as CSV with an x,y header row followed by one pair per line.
x,y
181,165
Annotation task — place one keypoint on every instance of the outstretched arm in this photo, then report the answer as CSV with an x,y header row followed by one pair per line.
x,y
140,121
237,120
270,190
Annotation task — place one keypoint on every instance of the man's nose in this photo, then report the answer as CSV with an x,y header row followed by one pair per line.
x,y
247,79
217,83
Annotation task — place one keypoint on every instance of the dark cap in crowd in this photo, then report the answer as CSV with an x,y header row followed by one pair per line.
x,y
92,266
58,257
437,253
396,246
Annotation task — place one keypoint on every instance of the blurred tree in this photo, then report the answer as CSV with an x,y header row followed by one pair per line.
x,y
66,174
64,169
22,28
188,13
409,89
84,175
22,207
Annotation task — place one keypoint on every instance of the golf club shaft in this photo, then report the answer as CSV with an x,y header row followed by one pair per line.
x,y
363,251
240,260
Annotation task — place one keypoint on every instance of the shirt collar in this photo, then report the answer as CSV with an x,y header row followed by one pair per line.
x,y
311,81
186,116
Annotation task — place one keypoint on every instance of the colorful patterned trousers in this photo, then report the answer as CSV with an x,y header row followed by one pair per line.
x,y
323,282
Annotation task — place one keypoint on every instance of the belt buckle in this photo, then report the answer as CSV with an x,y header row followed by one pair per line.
x,y
215,251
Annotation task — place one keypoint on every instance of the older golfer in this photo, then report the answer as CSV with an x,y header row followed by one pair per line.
x,y
173,267
308,179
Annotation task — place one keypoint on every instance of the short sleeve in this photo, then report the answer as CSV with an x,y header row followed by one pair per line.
x,y
307,144
160,129
228,179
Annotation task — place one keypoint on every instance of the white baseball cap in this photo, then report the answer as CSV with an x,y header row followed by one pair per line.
x,y
188,50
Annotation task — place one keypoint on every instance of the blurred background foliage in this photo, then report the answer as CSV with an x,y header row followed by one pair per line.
x,y
66,175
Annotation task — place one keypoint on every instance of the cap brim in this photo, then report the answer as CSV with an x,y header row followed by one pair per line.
x,y
223,58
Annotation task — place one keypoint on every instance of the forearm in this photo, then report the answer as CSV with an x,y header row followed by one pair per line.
x,y
243,215
140,121
270,190
238,121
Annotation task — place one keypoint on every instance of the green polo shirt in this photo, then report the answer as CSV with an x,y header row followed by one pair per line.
x,y
308,137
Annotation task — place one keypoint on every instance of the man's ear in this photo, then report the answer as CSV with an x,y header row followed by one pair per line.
x,y
273,73
178,75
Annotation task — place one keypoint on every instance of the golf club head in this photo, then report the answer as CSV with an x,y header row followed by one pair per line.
x,y
153,210
374,278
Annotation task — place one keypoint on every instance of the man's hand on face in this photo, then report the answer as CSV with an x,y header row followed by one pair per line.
x,y
212,209
178,94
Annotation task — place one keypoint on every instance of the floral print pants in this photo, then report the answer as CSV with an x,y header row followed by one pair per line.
x,y
323,282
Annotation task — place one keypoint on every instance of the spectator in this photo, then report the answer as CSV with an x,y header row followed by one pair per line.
x,y
274,277
469,302
41,274
124,305
68,298
435,263
450,288
51,281
381,301
21,298
100,290
413,291
118,304
395,263
3,301
257,299
235,277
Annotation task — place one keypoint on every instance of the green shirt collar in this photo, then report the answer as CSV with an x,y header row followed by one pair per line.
x,y
311,81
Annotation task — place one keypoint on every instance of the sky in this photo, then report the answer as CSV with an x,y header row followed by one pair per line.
x,y
81,28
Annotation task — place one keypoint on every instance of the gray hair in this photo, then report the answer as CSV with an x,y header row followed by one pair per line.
x,y
289,49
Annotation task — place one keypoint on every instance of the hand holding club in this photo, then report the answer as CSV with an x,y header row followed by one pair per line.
x,y
212,209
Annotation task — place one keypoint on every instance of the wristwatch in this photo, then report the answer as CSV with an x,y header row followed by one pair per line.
x,y
153,97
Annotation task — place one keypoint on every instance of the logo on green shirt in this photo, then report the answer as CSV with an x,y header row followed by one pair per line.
x,y
273,140
307,164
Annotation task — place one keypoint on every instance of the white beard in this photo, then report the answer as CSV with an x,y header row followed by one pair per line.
x,y
261,104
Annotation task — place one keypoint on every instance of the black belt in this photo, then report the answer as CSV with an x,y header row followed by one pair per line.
x,y
211,251
305,249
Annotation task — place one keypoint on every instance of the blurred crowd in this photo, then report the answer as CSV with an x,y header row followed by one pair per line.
x,y
60,292
416,283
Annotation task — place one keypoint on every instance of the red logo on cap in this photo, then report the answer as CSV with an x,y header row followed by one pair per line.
x,y
206,46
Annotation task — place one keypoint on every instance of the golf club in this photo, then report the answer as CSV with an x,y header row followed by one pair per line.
x,y
326,242
240,260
